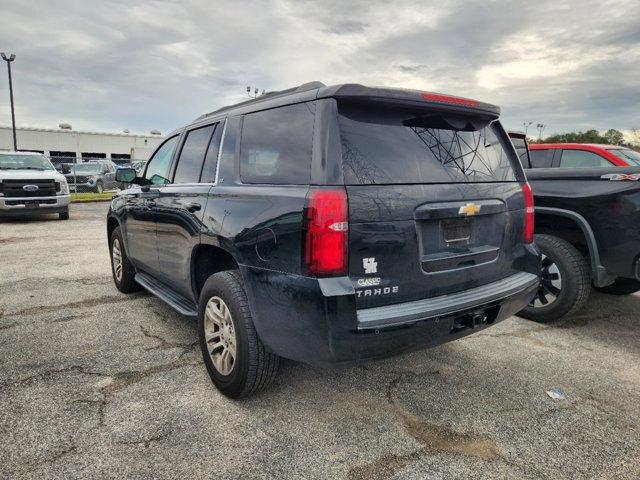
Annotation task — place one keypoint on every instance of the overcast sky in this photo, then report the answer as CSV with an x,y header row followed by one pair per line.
x,y
110,65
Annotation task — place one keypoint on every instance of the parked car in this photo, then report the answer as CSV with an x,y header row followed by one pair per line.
x,y
581,155
329,225
92,177
30,184
588,230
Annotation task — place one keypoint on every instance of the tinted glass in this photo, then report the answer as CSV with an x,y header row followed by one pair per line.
x,y
521,150
192,155
541,158
211,159
630,156
389,146
582,159
158,166
276,145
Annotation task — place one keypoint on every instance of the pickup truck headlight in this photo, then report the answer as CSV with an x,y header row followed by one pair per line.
x,y
64,187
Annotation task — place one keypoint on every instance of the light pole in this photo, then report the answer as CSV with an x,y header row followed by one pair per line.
x,y
10,59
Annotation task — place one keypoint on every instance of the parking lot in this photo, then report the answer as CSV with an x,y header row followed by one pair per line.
x,y
100,384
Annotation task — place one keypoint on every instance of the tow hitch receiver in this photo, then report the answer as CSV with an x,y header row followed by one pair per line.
x,y
470,320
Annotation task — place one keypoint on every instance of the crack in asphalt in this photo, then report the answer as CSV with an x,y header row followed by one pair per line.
x,y
145,441
434,438
91,302
166,344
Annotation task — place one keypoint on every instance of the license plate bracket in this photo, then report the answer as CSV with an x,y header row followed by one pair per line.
x,y
456,231
31,203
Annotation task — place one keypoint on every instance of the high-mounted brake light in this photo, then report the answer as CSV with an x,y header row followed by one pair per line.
x,y
529,213
326,247
437,97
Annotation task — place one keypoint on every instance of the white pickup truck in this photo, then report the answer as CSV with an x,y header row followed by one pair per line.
x,y
30,185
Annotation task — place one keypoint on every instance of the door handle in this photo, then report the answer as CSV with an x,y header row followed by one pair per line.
x,y
192,206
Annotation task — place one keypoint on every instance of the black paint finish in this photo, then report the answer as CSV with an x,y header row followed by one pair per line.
x,y
261,227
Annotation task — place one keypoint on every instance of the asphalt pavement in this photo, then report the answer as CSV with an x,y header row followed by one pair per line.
x,y
98,384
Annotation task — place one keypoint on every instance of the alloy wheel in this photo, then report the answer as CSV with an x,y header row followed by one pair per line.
x,y
220,336
116,258
550,284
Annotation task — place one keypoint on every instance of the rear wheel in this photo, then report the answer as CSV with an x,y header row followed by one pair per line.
x,y
564,281
236,359
121,268
622,286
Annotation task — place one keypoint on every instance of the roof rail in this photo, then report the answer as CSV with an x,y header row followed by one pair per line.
x,y
300,88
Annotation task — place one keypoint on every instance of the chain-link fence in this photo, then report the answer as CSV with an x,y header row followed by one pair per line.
x,y
94,174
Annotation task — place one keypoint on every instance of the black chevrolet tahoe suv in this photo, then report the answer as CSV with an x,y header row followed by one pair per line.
x,y
329,225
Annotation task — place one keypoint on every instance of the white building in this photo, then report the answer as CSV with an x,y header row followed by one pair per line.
x,y
66,143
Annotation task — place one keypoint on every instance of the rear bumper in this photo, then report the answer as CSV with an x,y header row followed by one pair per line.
x,y
316,321
14,207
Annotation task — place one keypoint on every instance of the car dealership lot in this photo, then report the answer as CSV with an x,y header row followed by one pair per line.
x,y
96,383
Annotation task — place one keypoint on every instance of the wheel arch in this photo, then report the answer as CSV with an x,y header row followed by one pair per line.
x,y
206,260
575,229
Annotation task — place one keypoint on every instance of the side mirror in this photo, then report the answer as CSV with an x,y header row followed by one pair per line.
x,y
125,175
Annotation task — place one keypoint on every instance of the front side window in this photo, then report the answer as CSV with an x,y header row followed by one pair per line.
x,y
582,159
394,146
630,156
276,145
158,166
192,155
24,162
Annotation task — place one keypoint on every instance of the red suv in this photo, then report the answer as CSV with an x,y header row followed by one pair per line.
x,y
581,155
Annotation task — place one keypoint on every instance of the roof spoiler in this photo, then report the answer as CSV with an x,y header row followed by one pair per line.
x,y
410,98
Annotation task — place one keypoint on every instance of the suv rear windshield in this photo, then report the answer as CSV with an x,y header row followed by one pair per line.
x,y
391,146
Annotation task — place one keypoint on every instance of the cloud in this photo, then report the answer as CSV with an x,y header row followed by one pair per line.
x,y
113,64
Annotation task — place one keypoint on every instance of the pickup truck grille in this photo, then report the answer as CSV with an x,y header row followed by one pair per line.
x,y
14,188
78,179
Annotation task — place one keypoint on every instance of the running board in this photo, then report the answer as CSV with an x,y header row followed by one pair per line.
x,y
180,304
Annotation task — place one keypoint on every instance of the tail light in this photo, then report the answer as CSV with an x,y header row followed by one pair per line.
x,y
326,245
529,213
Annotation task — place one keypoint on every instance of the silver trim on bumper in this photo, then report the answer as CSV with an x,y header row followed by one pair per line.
x,y
410,312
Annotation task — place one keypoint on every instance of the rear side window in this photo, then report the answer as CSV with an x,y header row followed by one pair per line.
x,y
211,159
541,158
389,146
192,155
276,145
582,159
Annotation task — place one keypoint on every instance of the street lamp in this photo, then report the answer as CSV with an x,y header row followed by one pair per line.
x,y
10,59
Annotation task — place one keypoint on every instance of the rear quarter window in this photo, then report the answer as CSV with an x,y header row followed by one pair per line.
x,y
276,145
541,158
390,146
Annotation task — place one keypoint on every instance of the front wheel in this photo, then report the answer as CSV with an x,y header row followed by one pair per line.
x,y
99,187
64,215
565,281
121,268
236,359
622,286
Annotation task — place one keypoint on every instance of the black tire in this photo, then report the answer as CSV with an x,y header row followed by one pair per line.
x,y
254,369
622,286
64,215
575,276
126,282
99,186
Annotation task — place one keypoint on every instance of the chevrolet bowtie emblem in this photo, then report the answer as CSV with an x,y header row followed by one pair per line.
x,y
469,209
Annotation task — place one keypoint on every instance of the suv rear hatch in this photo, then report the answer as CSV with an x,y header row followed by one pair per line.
x,y
435,197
